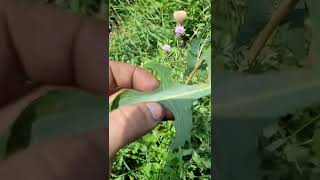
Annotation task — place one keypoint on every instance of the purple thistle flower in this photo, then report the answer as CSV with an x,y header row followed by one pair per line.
x,y
180,30
166,48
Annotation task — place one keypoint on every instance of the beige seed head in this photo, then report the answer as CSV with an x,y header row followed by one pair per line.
x,y
179,16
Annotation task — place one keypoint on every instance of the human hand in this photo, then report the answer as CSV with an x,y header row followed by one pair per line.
x,y
128,123
52,49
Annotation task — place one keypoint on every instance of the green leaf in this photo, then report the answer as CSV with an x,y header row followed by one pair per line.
x,y
245,104
174,92
58,113
265,96
176,97
197,159
193,54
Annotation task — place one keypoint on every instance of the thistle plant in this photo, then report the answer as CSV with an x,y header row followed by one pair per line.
x,y
179,16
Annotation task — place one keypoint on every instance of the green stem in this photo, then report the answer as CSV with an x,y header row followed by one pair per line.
x,y
194,71
198,65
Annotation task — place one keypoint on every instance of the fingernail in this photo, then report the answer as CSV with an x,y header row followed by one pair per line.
x,y
156,111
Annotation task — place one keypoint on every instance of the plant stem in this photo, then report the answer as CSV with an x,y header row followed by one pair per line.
x,y
276,18
198,65
194,71
195,32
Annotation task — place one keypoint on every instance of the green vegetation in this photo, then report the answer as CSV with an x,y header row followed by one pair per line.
x,y
140,29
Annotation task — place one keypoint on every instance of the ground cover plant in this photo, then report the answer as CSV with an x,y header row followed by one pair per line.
x,y
146,34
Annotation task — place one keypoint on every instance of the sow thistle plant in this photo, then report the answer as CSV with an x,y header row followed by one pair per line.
x,y
178,98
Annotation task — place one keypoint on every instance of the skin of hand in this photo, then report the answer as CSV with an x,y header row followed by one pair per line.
x,y
128,123
57,50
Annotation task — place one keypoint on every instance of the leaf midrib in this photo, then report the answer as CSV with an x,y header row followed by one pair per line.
x,y
272,94
207,87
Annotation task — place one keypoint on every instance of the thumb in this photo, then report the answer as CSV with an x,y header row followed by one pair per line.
x,y
128,123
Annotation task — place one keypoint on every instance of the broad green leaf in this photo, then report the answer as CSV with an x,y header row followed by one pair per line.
x,y
182,112
175,92
265,96
193,54
244,105
176,97
58,113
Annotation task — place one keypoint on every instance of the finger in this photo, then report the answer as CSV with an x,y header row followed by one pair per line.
x,y
51,46
122,75
80,157
129,123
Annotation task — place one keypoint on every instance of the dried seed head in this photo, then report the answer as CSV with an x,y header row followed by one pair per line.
x,y
179,16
